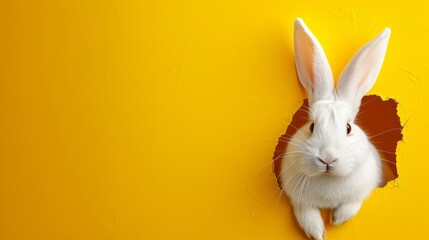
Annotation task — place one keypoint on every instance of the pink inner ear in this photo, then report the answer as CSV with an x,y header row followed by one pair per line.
x,y
305,50
364,72
363,77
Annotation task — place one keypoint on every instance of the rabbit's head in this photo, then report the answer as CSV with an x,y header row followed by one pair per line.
x,y
330,142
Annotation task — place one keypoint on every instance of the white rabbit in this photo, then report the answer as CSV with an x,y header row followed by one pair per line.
x,y
329,162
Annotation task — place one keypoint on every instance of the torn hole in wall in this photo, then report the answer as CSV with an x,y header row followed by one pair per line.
x,y
376,117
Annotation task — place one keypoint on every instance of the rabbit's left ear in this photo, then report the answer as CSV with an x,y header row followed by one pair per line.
x,y
361,72
312,65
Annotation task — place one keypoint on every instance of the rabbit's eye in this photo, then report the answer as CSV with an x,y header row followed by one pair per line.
x,y
349,129
311,127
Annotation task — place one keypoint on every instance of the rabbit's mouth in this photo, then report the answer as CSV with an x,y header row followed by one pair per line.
x,y
328,169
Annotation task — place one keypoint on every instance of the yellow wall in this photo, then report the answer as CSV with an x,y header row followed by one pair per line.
x,y
158,119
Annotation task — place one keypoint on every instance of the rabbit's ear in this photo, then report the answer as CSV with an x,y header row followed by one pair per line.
x,y
361,72
312,66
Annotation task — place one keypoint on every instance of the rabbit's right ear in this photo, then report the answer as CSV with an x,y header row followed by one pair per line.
x,y
361,72
312,65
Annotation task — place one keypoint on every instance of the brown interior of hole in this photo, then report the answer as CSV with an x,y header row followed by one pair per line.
x,y
379,120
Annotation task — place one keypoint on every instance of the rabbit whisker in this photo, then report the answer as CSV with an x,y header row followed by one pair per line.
x,y
392,129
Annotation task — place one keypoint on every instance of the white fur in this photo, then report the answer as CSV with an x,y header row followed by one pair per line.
x,y
354,164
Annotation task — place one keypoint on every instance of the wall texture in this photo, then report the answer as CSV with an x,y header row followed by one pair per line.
x,y
158,119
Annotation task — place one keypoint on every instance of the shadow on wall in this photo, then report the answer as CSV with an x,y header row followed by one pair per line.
x,y
377,118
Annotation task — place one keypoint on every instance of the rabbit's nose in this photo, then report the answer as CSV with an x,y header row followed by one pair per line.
x,y
327,161
328,157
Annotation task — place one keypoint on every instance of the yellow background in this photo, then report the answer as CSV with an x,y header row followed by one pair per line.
x,y
158,119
